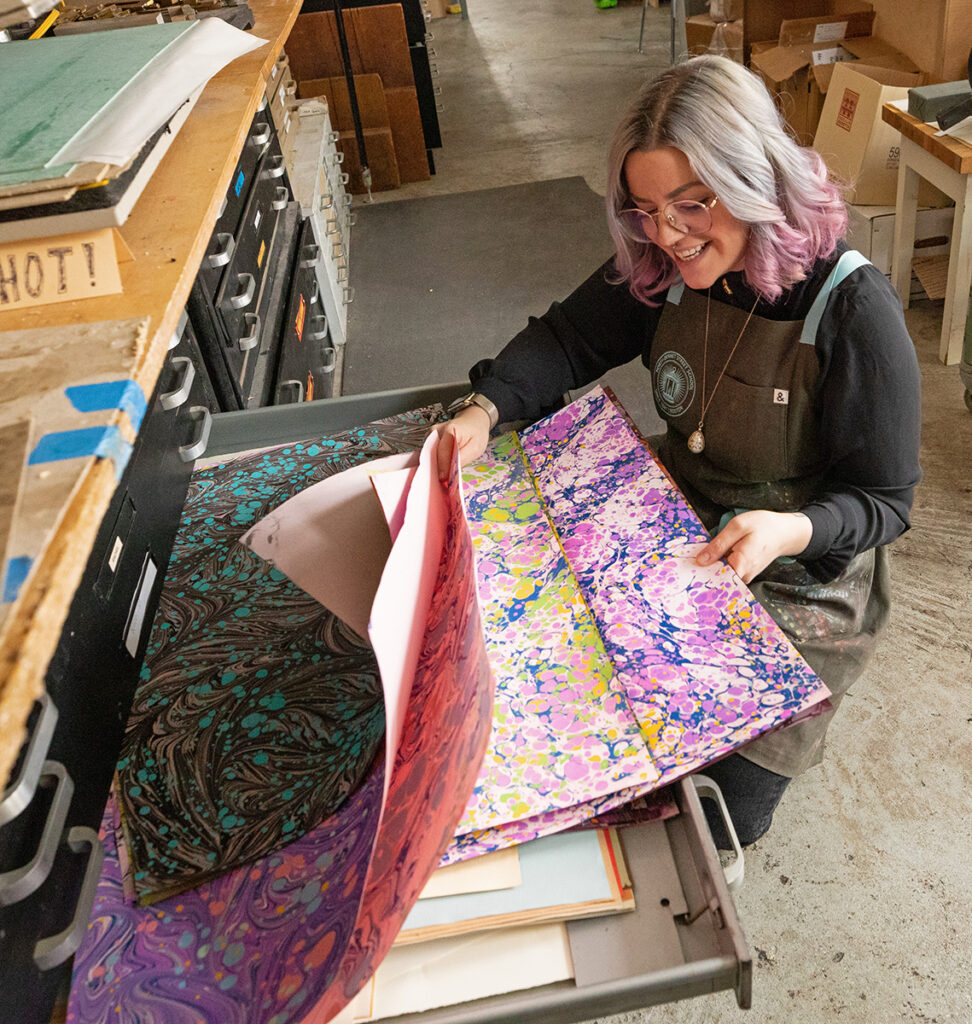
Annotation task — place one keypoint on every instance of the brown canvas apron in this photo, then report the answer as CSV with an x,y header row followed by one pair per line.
x,y
762,451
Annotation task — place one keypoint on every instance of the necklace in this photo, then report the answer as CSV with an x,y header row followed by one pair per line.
x,y
696,440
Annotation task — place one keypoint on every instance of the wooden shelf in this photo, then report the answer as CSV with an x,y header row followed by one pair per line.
x,y
167,232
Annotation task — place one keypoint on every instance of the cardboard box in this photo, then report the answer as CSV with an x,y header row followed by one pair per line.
x,y
799,76
935,34
703,35
870,230
765,18
859,148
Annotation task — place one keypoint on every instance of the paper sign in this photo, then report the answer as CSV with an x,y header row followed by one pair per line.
x,y
831,55
830,32
59,269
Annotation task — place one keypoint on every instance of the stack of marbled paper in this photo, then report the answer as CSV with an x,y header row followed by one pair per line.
x,y
253,779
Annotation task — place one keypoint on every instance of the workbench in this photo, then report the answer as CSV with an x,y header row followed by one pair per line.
x,y
947,163
167,233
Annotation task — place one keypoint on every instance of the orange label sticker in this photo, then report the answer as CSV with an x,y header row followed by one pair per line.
x,y
848,105
309,393
261,254
299,322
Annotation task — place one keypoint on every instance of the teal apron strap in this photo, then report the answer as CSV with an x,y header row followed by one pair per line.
x,y
847,264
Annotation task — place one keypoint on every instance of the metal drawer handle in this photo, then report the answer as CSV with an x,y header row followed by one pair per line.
x,y
290,89
315,292
327,201
333,136
431,52
436,90
224,254
439,107
321,332
352,220
22,881
196,448
243,298
429,37
222,207
178,395
250,340
342,274
330,360
275,168
299,384
283,197
21,791
735,871
262,134
345,178
333,228
263,105
348,295
310,257
56,949
337,250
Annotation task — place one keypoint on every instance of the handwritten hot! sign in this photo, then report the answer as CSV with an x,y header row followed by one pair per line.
x,y
58,269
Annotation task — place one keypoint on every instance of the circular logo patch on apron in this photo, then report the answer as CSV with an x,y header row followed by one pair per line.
x,y
674,384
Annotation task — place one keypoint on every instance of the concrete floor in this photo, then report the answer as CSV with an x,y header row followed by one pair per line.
x,y
858,904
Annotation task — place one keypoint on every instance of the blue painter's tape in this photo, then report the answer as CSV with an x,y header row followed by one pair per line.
x,y
17,569
104,442
117,394
239,182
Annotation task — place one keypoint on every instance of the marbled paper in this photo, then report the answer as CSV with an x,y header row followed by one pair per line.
x,y
562,732
258,711
295,935
704,667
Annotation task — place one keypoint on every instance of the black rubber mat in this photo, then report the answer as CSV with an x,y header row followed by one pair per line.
x,y
444,281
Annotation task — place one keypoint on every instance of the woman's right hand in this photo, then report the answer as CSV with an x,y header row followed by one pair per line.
x,y
470,431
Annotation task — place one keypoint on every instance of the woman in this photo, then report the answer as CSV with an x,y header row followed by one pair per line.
x,y
779,360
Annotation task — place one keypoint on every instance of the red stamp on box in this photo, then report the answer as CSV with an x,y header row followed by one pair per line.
x,y
848,104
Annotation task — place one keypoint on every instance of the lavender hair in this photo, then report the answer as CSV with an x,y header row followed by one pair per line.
x,y
721,117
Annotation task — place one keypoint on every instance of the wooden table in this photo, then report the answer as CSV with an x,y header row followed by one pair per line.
x,y
946,163
167,232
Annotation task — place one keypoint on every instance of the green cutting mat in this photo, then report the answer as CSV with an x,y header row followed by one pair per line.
x,y
53,87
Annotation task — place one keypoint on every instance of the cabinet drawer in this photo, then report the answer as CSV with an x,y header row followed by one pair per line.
x,y
308,358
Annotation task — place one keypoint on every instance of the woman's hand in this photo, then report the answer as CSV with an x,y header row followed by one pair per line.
x,y
470,431
751,540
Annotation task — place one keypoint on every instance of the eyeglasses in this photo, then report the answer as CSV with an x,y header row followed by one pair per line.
x,y
687,216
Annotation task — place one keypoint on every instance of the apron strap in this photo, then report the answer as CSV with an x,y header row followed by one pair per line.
x,y
847,264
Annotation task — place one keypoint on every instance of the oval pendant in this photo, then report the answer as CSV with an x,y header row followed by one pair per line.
x,y
696,442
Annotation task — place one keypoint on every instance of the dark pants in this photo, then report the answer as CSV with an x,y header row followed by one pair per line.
x,y
751,794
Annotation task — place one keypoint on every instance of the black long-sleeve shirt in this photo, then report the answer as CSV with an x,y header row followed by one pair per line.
x,y
867,398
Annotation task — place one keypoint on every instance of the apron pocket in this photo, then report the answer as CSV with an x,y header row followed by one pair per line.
x,y
745,431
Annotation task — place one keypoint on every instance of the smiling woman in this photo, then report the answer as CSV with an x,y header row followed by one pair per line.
x,y
779,360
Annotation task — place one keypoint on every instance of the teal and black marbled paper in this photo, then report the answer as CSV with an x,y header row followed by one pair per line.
x,y
258,711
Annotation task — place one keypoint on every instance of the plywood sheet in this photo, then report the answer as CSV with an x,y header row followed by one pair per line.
x,y
381,160
36,369
406,126
372,107
376,41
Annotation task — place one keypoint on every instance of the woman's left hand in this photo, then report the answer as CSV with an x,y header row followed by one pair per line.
x,y
751,540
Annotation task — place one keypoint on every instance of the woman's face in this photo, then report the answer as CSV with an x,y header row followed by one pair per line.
x,y
659,176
